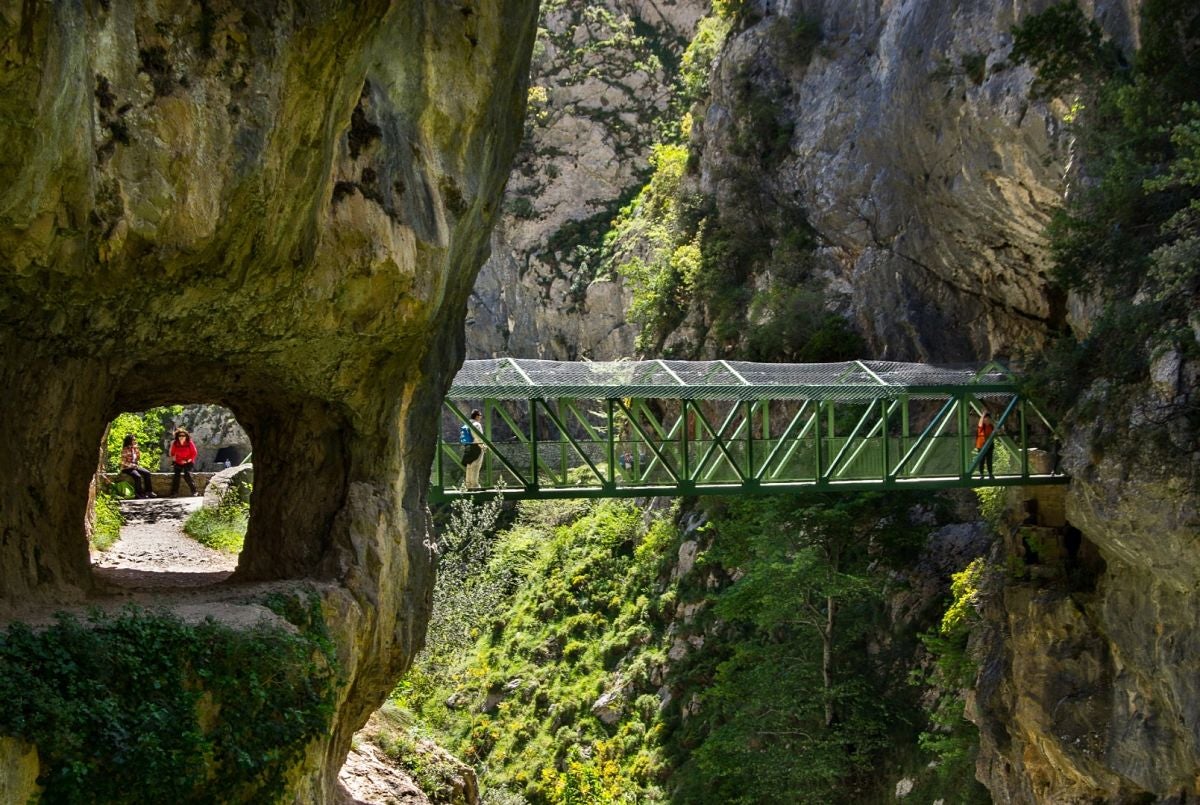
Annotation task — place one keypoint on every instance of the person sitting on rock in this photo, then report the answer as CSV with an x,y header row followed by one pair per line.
x,y
131,458
183,458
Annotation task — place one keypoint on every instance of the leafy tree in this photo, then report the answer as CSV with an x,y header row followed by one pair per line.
x,y
793,712
464,596
148,427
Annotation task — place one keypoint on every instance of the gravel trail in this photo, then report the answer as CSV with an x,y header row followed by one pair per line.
x,y
153,551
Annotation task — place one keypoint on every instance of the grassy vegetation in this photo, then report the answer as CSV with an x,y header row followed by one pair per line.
x,y
223,527
518,699
568,663
107,528
144,707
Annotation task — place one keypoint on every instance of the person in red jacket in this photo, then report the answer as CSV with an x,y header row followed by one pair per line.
x,y
183,457
982,434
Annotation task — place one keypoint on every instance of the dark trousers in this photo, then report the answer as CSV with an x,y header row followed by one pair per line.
x,y
141,480
985,460
186,469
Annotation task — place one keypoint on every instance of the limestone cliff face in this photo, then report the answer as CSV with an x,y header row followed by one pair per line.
x,y
915,152
276,207
214,431
601,81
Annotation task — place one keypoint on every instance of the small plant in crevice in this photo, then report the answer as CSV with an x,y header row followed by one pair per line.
x,y
142,706
950,738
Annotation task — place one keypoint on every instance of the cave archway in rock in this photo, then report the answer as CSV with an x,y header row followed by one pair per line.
x,y
153,550
300,463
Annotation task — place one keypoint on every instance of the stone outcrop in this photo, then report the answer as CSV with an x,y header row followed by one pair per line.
x,y
599,93
1089,692
233,483
278,208
387,765
217,435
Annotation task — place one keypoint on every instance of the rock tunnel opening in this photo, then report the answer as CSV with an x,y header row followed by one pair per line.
x,y
171,501
287,497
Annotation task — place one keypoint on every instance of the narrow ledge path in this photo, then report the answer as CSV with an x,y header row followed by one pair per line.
x,y
153,551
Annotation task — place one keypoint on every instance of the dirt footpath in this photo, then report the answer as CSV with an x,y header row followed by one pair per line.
x,y
154,552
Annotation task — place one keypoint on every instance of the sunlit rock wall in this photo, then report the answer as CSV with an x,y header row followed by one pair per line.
x,y
601,81
276,207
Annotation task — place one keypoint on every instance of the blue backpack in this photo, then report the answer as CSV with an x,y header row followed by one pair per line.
x,y
464,435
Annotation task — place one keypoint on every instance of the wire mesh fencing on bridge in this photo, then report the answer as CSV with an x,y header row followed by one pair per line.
x,y
554,429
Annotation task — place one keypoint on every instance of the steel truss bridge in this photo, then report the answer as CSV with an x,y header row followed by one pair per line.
x,y
670,428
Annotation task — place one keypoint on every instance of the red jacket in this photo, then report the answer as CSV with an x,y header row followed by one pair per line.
x,y
982,432
183,453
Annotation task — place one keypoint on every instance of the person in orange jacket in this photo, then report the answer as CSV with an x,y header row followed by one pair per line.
x,y
183,458
982,433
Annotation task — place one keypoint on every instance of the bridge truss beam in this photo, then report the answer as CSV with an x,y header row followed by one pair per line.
x,y
922,437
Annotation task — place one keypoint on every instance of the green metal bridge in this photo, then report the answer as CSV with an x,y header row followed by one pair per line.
x,y
669,428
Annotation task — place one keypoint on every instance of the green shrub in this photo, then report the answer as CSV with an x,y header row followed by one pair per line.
x,y
107,528
144,707
222,528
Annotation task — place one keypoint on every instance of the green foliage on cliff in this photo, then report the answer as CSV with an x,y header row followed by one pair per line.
x,y
148,427
1129,234
589,668
142,706
739,267
518,700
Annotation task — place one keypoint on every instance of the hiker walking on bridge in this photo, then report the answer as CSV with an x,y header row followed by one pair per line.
x,y
473,448
986,448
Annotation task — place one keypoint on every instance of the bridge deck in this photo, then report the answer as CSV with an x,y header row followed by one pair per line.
x,y
640,429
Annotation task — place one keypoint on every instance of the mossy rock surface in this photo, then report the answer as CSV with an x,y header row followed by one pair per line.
x,y
278,208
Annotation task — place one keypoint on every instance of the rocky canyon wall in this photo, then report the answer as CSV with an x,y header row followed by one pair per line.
x,y
909,141
928,170
600,86
275,207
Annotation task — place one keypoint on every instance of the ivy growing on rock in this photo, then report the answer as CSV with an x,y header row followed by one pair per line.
x,y
143,706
